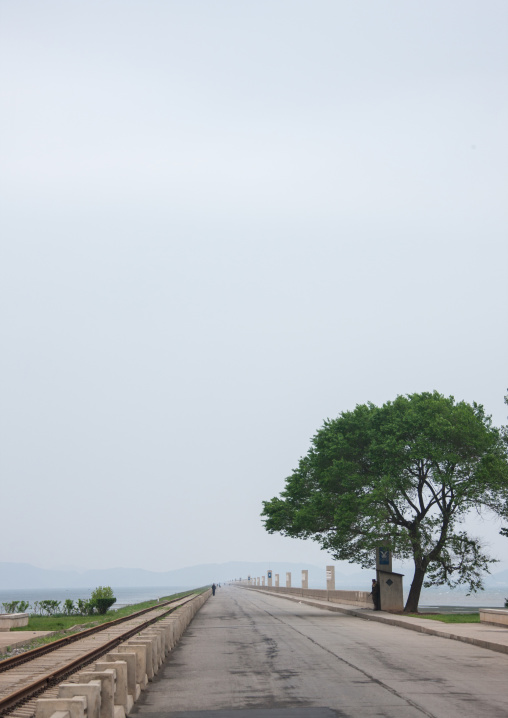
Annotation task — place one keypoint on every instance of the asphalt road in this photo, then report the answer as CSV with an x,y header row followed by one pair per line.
x,y
259,656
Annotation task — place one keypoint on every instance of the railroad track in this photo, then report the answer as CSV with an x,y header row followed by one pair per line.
x,y
25,677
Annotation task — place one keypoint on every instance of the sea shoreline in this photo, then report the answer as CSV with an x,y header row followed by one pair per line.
x,y
125,596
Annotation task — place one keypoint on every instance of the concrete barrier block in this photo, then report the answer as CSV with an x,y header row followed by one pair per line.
x,y
13,620
140,651
157,655
130,662
91,690
108,681
74,707
120,667
154,644
160,634
164,638
147,646
168,630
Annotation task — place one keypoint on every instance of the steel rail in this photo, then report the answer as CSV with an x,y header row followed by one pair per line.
x,y
8,663
49,679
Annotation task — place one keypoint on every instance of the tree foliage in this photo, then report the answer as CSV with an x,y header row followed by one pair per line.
x,y
102,598
402,475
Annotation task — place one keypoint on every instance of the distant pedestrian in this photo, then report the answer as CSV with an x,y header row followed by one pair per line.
x,y
213,589
375,593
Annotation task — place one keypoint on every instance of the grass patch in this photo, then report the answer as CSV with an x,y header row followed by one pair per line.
x,y
58,623
448,617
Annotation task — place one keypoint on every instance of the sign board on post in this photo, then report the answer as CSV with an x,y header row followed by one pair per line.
x,y
383,559
330,578
269,574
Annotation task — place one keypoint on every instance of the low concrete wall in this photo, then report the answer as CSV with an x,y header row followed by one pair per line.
x,y
12,620
354,598
495,616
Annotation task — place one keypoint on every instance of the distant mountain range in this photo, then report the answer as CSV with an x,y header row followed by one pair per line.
x,y
26,576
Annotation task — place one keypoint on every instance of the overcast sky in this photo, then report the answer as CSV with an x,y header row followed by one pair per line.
x,y
224,221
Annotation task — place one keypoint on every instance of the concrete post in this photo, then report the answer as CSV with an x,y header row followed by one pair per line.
x,y
305,578
288,579
259,581
269,576
330,578
276,580
262,580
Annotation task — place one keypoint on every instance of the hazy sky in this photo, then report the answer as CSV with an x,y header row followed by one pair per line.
x,y
224,221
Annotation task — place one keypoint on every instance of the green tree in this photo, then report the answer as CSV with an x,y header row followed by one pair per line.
x,y
102,598
11,607
69,607
504,530
403,475
49,606
84,607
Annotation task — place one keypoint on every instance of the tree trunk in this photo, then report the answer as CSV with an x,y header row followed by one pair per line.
x,y
415,590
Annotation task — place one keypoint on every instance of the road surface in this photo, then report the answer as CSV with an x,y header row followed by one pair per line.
x,y
255,655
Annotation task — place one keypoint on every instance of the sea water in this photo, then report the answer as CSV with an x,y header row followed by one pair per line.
x,y
443,596
124,596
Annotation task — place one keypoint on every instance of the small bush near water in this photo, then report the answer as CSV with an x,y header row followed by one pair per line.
x,y
16,606
100,601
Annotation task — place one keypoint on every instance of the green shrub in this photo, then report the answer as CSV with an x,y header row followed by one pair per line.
x,y
84,607
102,598
102,604
69,607
10,607
49,606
